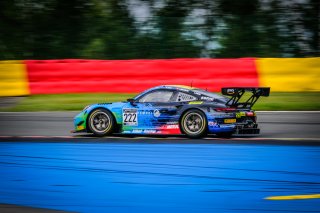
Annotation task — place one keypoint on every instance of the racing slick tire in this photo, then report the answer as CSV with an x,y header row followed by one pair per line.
x,y
101,122
194,123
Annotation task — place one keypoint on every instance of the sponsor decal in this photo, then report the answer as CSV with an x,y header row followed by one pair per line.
x,y
196,93
222,115
206,98
137,131
173,126
240,114
130,117
170,129
141,131
150,131
185,97
145,112
212,123
156,113
230,91
227,126
172,122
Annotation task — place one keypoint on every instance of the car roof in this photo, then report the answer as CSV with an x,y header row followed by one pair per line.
x,y
174,87
184,88
170,87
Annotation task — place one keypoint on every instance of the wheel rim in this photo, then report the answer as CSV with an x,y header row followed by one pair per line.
x,y
193,123
100,122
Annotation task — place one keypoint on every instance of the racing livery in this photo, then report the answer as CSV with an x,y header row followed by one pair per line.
x,y
175,109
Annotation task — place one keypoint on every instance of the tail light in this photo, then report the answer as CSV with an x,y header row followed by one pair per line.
x,y
252,115
225,109
249,113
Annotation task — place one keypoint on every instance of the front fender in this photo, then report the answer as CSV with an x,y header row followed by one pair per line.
x,y
80,120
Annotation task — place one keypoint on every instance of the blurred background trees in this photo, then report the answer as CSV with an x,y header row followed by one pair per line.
x,y
128,29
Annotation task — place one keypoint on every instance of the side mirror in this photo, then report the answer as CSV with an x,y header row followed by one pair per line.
x,y
132,101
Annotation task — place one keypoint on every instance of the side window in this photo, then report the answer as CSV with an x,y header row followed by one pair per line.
x,y
157,96
183,97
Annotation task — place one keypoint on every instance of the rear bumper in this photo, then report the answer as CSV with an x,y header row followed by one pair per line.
x,y
236,128
221,128
247,131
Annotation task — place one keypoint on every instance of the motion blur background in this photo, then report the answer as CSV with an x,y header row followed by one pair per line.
x,y
267,42
54,54
130,29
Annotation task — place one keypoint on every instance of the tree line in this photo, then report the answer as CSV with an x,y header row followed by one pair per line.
x,y
129,29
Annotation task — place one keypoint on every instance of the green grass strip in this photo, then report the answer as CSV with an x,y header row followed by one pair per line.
x,y
76,102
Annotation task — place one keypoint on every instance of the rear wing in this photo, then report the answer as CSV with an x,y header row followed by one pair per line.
x,y
237,92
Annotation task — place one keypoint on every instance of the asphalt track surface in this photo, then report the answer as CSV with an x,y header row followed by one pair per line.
x,y
42,165
272,124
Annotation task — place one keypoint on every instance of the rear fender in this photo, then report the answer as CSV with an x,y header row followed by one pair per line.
x,y
187,108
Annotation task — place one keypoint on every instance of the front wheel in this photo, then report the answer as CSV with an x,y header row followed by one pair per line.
x,y
101,122
194,123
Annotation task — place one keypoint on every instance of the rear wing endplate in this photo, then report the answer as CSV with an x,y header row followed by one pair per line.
x,y
237,92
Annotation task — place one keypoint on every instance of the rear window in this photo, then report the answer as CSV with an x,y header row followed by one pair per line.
x,y
211,95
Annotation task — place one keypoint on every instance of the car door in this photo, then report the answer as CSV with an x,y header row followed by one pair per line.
x,y
148,113
168,113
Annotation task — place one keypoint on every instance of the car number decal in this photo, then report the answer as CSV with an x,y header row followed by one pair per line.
x,y
130,117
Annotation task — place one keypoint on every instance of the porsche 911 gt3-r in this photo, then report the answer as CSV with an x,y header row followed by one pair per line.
x,y
175,109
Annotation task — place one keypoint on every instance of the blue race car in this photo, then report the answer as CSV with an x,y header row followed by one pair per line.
x,y
175,109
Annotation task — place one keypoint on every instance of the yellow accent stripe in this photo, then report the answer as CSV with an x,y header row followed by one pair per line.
x,y
182,86
80,128
289,74
196,102
13,79
294,197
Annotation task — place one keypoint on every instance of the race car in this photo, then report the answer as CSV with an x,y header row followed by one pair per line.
x,y
175,109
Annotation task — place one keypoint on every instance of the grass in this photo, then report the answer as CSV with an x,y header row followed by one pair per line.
x,y
289,101
64,102
76,102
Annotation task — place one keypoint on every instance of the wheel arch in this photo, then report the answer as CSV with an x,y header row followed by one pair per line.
x,y
104,108
188,109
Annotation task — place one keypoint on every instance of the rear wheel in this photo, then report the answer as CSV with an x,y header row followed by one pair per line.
x,y
194,123
101,122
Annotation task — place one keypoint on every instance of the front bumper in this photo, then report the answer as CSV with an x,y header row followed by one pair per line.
x,y
79,122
